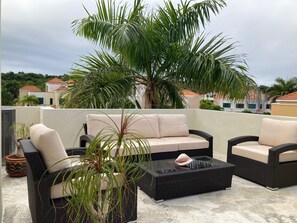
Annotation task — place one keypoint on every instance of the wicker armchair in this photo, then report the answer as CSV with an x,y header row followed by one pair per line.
x,y
269,159
45,207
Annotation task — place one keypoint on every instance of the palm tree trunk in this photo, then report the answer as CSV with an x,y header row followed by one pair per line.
x,y
150,96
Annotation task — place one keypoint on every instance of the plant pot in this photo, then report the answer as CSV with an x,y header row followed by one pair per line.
x,y
16,166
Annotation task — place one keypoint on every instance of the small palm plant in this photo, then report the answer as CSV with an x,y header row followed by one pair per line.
x,y
20,131
98,185
16,164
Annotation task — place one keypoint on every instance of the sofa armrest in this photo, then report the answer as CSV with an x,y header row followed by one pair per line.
x,y
273,156
84,139
204,135
234,141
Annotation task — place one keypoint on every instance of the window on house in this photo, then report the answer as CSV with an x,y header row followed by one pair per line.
x,y
252,106
226,105
268,106
40,101
51,101
260,106
239,105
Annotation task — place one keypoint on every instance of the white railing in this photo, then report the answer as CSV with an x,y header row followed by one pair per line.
x,y
221,125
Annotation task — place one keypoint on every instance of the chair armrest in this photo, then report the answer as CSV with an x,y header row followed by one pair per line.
x,y
273,156
49,179
234,141
84,139
76,151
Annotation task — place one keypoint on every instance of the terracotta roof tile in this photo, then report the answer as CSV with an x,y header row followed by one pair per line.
x,y
189,93
55,81
291,96
61,88
30,88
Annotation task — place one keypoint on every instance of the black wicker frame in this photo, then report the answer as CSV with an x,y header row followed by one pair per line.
x,y
273,174
84,139
46,210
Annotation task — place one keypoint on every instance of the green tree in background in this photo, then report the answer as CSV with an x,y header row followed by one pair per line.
x,y
208,104
281,87
28,100
6,97
162,51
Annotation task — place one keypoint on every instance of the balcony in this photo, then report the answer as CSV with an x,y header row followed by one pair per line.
x,y
243,202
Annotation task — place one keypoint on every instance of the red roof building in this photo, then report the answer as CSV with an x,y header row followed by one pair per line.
x,y
30,88
55,81
285,105
288,97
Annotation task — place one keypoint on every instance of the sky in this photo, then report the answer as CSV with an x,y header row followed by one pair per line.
x,y
36,35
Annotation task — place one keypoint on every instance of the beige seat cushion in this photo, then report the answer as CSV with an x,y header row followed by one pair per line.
x,y
188,142
63,190
146,125
171,125
260,152
48,142
277,132
159,146
155,146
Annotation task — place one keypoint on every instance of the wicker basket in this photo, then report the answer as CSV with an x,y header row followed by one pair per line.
x,y
16,166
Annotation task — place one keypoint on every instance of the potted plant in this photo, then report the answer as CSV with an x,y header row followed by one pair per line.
x,y
16,164
97,186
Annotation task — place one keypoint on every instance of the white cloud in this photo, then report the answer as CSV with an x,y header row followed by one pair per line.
x,y
37,35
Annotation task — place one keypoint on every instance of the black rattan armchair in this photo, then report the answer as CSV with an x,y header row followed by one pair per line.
x,y
273,174
39,181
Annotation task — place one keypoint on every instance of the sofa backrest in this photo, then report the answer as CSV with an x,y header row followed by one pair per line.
x,y
171,125
276,132
147,125
102,122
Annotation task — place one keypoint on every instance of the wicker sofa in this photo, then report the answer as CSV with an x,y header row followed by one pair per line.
x,y
269,159
167,134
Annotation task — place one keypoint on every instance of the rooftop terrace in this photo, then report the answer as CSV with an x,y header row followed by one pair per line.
x,y
244,202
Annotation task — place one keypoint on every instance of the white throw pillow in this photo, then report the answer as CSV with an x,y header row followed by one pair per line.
x,y
173,125
48,142
277,132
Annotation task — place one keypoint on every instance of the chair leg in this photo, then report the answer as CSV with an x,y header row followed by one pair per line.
x,y
272,188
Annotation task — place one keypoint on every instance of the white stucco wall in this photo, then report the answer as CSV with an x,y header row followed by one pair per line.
x,y
221,125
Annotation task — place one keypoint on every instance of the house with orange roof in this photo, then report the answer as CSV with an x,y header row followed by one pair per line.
x,y
192,99
26,89
54,89
54,84
285,105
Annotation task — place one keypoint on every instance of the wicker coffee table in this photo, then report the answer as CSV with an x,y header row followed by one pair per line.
x,y
163,179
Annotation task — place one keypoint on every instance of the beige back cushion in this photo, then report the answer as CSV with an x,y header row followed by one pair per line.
x,y
145,125
48,142
173,125
99,122
277,132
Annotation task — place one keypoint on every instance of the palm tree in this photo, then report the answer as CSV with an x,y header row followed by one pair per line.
x,y
282,87
164,51
28,100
